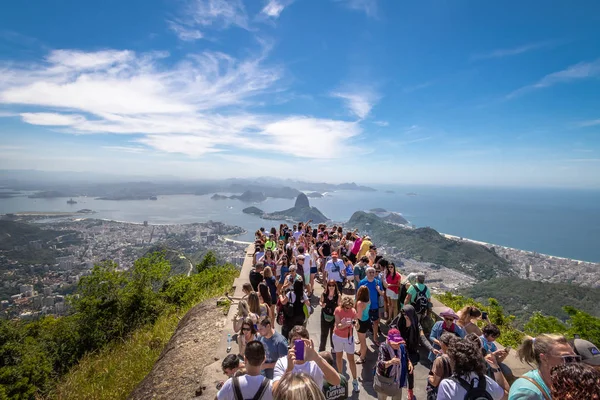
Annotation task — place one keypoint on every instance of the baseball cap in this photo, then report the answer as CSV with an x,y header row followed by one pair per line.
x,y
394,336
588,351
334,254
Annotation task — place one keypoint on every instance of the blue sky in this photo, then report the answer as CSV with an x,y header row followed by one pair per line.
x,y
434,92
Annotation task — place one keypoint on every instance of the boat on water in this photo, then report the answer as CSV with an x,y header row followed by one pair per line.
x,y
71,201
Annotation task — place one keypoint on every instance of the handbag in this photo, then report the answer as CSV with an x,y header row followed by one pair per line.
x,y
385,385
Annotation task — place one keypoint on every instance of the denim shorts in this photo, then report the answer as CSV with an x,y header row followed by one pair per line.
x,y
374,314
313,270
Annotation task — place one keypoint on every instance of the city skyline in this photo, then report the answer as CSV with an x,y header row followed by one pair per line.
x,y
333,90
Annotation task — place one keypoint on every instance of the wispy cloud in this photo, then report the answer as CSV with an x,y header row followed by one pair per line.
x,y
369,7
420,86
359,102
583,160
126,149
581,71
381,123
206,103
274,8
199,15
501,53
585,124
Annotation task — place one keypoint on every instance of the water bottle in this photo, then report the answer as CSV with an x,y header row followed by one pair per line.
x,y
229,342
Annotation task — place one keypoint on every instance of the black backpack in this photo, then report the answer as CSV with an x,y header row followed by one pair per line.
x,y
474,392
237,391
421,302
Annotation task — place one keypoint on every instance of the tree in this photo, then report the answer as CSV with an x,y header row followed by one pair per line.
x,y
539,323
209,260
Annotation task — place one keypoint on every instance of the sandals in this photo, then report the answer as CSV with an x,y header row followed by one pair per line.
x,y
357,353
361,361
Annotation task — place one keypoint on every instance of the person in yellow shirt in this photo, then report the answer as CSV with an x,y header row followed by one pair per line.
x,y
364,247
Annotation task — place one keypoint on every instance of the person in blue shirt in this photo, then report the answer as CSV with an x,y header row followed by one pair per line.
x,y
546,351
375,290
447,325
490,333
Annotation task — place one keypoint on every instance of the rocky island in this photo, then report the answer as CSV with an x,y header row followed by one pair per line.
x,y
247,197
253,210
301,212
314,195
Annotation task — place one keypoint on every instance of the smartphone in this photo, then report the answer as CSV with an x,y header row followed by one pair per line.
x,y
484,315
299,349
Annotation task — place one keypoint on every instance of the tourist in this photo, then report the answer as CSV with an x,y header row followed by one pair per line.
x,y
343,337
300,265
348,272
298,299
442,366
419,296
307,264
247,334
375,290
252,384
489,334
266,303
468,369
334,392
283,268
276,346
256,275
325,248
268,260
492,364
355,247
243,312
271,283
271,244
588,351
447,325
231,364
363,305
336,270
330,300
246,289
466,316
360,271
546,352
365,245
575,381
412,332
298,387
393,367
311,363
258,253
292,277
391,282
257,307
314,269
372,255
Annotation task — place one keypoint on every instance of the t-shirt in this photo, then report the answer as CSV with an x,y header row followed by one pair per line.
x,y
359,271
310,368
356,246
336,392
364,248
333,270
255,279
258,256
344,315
437,368
522,389
297,234
489,347
450,389
413,291
270,245
249,385
326,249
373,293
275,348
393,281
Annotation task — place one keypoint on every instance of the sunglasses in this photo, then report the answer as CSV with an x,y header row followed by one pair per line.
x,y
245,329
571,359
330,285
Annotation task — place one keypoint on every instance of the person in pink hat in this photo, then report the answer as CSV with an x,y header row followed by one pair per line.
x,y
447,324
392,368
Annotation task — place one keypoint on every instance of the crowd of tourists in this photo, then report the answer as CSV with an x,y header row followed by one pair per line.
x,y
363,296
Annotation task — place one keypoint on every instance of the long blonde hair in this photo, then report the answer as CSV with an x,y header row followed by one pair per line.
x,y
267,272
243,310
254,303
468,312
298,386
531,348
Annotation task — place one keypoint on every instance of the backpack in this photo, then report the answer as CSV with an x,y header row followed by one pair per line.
x,y
421,302
474,392
237,391
284,310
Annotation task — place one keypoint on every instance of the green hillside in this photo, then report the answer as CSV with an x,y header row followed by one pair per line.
x,y
522,297
428,245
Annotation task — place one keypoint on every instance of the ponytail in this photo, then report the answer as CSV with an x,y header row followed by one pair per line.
x,y
531,348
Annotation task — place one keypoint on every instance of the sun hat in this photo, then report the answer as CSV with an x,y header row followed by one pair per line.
x,y
588,351
448,313
394,336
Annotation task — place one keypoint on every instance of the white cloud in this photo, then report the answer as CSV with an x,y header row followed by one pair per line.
x,y
195,107
369,7
185,33
585,124
583,70
501,53
359,103
274,8
200,15
381,123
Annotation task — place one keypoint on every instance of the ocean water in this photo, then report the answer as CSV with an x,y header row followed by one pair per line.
x,y
559,222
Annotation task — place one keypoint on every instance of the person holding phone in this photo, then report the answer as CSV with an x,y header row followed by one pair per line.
x,y
343,337
468,317
302,357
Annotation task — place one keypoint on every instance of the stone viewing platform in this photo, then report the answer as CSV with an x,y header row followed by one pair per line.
x,y
213,374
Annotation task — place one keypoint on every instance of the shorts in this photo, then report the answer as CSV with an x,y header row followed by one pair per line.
x,y
364,326
374,314
343,345
314,270
391,294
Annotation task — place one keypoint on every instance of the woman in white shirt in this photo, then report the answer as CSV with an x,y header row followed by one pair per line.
x,y
469,370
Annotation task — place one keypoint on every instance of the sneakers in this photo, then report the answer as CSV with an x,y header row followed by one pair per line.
x,y
411,396
355,386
